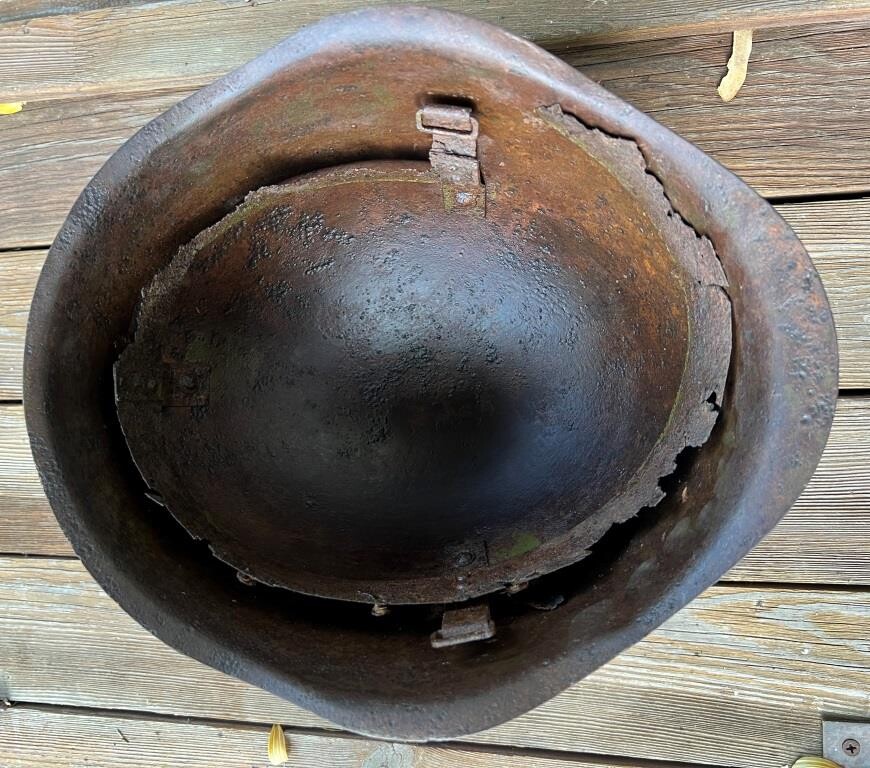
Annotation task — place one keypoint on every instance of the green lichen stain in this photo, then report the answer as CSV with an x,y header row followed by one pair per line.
x,y
523,542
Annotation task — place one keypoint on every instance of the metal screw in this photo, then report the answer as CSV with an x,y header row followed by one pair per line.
x,y
851,747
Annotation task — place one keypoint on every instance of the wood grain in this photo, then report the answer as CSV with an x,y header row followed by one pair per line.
x,y
64,738
801,124
836,234
19,272
27,524
102,50
740,677
837,237
49,154
19,10
824,538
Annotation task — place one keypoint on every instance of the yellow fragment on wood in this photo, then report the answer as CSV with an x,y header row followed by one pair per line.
x,y
813,761
11,107
737,64
277,745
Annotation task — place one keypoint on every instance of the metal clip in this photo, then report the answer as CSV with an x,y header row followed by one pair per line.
x,y
464,625
454,155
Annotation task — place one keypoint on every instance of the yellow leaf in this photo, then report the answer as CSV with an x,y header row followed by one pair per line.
x,y
737,65
11,107
812,761
277,745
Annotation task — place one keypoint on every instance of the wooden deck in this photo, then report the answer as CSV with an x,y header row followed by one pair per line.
x,y
741,677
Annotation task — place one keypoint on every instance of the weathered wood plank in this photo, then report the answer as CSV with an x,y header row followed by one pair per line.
x,y
50,150
825,537
102,50
19,272
27,524
837,236
20,10
801,124
61,738
740,677
836,233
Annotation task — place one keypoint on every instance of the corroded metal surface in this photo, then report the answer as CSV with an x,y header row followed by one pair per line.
x,y
608,240
405,404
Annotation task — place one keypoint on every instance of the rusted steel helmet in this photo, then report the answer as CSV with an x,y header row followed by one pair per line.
x,y
410,375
